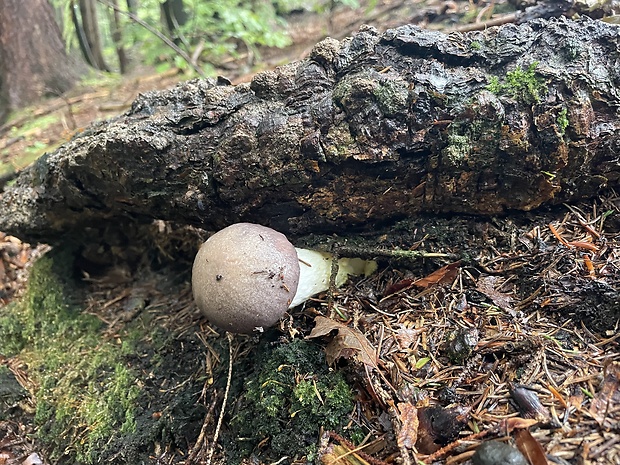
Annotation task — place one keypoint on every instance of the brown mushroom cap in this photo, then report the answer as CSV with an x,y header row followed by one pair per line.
x,y
245,277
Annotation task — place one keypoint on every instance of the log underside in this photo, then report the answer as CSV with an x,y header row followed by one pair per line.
x,y
364,132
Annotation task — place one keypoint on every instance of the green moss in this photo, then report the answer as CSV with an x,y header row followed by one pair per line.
x,y
392,96
286,402
562,121
494,85
458,148
85,394
360,91
110,406
12,330
475,45
521,85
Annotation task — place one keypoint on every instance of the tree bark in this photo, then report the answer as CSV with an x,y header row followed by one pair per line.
x,y
362,133
33,62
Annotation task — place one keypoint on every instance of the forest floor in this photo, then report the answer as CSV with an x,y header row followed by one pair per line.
x,y
511,334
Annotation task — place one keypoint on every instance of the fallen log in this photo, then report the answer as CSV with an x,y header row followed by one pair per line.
x,y
365,131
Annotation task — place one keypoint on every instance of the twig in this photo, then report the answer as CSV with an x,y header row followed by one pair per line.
x,y
346,250
198,446
509,18
355,450
159,35
221,417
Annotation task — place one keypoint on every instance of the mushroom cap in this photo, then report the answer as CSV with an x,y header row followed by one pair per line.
x,y
245,277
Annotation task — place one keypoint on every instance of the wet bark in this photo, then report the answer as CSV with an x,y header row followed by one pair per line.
x,y
364,132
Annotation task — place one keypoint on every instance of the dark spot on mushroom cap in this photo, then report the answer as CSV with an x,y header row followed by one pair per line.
x,y
251,257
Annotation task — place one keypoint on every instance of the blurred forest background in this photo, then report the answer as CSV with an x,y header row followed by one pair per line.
x,y
67,63
46,46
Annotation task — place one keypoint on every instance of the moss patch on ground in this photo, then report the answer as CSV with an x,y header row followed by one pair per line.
x,y
98,398
285,402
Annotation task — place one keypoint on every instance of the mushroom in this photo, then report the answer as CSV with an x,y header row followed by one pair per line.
x,y
315,271
246,276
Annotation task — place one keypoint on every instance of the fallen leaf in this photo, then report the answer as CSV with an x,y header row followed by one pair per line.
x,y
530,447
439,426
406,337
444,274
528,403
341,455
408,416
488,286
510,424
398,286
348,343
5,457
607,398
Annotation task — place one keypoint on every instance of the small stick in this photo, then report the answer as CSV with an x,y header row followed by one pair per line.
x,y
364,252
221,417
201,437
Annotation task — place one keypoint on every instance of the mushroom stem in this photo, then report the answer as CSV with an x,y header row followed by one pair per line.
x,y
315,270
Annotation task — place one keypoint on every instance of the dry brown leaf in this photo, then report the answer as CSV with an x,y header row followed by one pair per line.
x,y
608,398
341,455
530,447
408,416
444,274
406,337
5,456
513,423
528,402
439,426
349,342
398,286
488,286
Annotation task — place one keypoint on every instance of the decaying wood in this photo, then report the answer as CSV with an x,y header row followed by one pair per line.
x,y
368,130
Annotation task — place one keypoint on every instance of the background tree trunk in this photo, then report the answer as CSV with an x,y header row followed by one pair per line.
x,y
362,133
91,38
132,5
174,15
117,37
33,62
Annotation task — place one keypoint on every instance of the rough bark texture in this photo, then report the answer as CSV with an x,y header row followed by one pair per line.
x,y
363,132
32,55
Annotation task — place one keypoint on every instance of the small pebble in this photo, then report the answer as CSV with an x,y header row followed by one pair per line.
x,y
497,453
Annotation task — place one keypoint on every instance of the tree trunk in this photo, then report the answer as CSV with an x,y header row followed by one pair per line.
x,y
173,16
91,42
360,134
117,37
33,62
